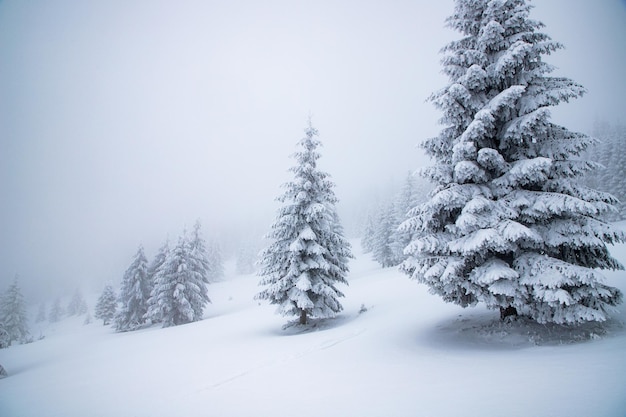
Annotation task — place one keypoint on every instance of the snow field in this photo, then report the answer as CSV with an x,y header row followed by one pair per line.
x,y
409,354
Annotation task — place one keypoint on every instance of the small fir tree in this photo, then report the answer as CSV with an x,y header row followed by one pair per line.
x,y
134,294
309,255
41,313
200,263
56,311
106,305
510,223
369,231
5,339
13,314
216,265
383,241
408,198
77,304
153,269
609,151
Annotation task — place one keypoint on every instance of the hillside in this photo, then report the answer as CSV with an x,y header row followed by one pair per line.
x,y
409,354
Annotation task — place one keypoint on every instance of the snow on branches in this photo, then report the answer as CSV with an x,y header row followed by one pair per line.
x,y
510,223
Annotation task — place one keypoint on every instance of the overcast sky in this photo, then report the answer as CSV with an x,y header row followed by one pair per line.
x,y
121,122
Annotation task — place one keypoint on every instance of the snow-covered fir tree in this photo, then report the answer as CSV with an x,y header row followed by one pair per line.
x,y
180,292
5,340
77,305
381,235
153,268
412,193
56,311
368,232
610,151
106,306
200,263
41,313
309,255
510,223
216,264
134,294
383,239
13,313
246,258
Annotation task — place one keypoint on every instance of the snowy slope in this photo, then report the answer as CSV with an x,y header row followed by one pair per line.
x,y
409,354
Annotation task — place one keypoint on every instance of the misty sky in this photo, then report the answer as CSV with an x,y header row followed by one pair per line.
x,y
121,122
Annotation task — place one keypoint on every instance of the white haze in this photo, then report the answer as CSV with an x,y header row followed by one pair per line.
x,y
121,122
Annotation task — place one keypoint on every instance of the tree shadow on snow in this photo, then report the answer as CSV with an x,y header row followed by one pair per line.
x,y
293,327
485,331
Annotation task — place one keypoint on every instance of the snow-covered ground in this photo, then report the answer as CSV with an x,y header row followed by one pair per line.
x,y
409,354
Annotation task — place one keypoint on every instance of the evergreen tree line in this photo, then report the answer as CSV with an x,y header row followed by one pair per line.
x,y
381,235
14,321
609,152
171,289
13,318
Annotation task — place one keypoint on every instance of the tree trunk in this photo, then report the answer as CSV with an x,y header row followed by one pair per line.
x,y
508,311
302,317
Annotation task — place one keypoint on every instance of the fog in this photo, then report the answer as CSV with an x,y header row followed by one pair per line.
x,y
122,122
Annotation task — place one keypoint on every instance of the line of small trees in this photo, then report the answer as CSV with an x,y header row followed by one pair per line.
x,y
172,289
381,235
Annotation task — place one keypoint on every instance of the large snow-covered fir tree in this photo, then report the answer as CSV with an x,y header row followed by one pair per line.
x,y
13,317
180,293
309,255
134,294
510,223
106,306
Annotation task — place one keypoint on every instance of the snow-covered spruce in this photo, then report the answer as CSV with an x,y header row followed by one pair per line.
x,y
106,306
77,305
180,287
383,239
134,294
309,255
215,262
510,223
56,311
13,320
